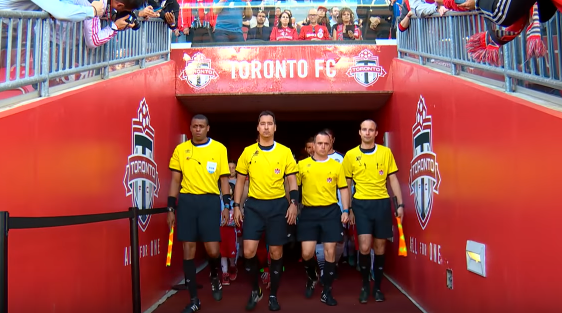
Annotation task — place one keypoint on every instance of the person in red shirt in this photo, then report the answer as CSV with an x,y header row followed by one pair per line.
x,y
313,31
345,29
284,30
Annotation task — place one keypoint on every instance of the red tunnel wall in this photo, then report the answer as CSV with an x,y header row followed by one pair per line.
x,y
498,157
67,155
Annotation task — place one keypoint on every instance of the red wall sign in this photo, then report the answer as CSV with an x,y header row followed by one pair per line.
x,y
98,149
282,69
475,164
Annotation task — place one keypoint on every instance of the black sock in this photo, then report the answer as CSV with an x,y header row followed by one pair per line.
x,y
310,268
252,269
190,272
214,266
378,269
329,274
365,267
275,273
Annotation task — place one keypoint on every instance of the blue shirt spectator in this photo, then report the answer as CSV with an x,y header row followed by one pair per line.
x,y
63,10
230,18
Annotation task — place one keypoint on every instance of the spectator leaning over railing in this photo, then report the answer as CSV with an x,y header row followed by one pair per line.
x,y
505,21
168,10
60,10
119,13
406,14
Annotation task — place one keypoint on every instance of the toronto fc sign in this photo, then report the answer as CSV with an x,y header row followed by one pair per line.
x,y
141,173
424,171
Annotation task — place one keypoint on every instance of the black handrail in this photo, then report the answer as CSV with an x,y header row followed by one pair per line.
x,y
7,223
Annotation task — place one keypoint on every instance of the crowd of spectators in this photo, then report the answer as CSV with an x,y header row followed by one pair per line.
x,y
239,21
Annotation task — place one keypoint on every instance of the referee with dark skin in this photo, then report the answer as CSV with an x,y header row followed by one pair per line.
x,y
268,164
197,165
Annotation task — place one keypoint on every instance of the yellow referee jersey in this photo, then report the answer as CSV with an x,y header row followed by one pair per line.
x,y
267,170
320,181
369,171
201,166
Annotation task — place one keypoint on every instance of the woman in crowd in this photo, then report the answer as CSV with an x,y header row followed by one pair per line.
x,y
345,29
284,30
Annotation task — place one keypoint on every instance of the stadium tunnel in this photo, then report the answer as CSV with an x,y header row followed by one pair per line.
x,y
233,118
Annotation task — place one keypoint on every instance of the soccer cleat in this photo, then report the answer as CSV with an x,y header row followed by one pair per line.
x,y
379,296
310,285
255,297
233,273
193,307
216,288
328,299
225,279
274,304
364,295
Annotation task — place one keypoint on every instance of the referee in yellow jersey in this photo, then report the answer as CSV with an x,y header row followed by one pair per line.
x,y
321,217
197,165
370,166
268,164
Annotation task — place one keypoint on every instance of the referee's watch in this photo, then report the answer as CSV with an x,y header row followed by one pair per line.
x,y
293,201
170,209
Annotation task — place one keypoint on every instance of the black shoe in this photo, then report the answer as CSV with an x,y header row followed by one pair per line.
x,y
364,295
379,296
328,299
216,288
274,304
310,285
255,297
193,307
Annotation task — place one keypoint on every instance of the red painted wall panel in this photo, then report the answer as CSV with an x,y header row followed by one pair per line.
x,y
498,161
67,155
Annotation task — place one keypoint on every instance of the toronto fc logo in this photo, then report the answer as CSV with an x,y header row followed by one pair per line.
x,y
197,72
141,173
424,171
366,69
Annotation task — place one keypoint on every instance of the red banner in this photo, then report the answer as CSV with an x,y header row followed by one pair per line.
x,y
276,69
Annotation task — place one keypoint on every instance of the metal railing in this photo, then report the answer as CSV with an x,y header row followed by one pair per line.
x,y
8,223
38,52
442,41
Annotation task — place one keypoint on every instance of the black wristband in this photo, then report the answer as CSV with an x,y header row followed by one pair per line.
x,y
226,201
294,195
236,205
172,202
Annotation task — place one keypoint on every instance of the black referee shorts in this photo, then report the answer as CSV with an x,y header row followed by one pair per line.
x,y
373,217
198,218
268,216
321,224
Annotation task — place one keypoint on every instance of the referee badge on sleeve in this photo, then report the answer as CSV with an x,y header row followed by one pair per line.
x,y
211,167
